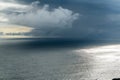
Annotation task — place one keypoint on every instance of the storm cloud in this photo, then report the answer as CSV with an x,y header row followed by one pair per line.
x,y
44,20
83,19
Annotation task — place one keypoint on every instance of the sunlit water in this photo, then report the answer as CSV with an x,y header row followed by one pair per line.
x,y
89,63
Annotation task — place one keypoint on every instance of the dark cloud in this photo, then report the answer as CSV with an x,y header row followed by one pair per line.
x,y
98,19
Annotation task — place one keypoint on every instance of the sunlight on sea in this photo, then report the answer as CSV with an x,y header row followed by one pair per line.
x,y
105,61
20,60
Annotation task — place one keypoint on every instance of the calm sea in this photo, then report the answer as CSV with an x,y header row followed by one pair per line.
x,y
58,60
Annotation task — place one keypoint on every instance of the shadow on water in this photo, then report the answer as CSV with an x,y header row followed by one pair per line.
x,y
52,43
47,43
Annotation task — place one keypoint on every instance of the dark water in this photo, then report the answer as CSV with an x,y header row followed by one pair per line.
x,y
58,60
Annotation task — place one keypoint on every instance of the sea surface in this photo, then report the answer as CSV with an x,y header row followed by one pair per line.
x,y
51,59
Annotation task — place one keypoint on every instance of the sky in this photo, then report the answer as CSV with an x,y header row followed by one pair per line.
x,y
84,19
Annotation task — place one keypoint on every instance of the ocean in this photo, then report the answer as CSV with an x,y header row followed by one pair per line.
x,y
58,59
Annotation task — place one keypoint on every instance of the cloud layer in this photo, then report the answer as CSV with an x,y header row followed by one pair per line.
x,y
94,19
44,19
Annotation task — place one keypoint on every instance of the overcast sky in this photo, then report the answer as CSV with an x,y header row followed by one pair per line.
x,y
85,19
